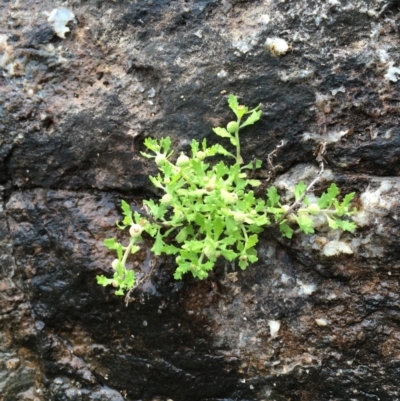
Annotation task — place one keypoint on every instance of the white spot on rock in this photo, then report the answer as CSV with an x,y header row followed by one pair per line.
x,y
277,46
59,18
321,322
392,72
274,326
329,137
335,247
222,74
306,289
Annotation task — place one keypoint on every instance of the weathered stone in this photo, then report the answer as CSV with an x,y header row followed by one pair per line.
x,y
299,324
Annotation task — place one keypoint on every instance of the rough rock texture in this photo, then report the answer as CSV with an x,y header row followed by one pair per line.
x,y
73,115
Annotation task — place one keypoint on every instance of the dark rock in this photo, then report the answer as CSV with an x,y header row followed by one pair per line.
x,y
74,114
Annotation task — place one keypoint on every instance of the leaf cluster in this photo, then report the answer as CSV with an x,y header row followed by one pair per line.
x,y
209,210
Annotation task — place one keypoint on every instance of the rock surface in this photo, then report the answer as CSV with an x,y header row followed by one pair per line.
x,y
317,318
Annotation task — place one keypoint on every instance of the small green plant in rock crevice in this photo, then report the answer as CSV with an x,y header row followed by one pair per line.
x,y
209,211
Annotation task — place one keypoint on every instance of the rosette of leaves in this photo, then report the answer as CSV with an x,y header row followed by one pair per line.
x,y
209,210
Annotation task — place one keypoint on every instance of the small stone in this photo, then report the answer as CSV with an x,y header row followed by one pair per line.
x,y
13,363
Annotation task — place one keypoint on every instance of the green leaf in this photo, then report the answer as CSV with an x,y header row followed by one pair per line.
x,y
152,144
126,209
110,243
273,197
252,240
234,141
157,211
129,280
134,249
327,198
182,235
170,249
254,117
286,230
233,102
299,190
243,264
147,156
194,146
158,244
228,254
221,169
254,183
219,149
332,223
219,227
166,144
222,132
305,223
199,220
103,280
254,164
346,225
252,255
182,268
343,207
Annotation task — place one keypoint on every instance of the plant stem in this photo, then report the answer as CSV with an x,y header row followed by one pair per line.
x,y
127,251
239,159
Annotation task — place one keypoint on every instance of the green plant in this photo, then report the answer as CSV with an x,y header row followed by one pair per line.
x,y
209,211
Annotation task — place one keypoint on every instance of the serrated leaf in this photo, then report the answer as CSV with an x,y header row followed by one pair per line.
x,y
252,240
252,255
147,156
157,211
158,244
273,197
228,254
233,102
126,209
194,146
346,225
254,117
221,150
219,227
152,144
332,223
343,207
231,225
327,198
199,220
129,280
103,280
286,230
347,199
221,169
227,241
110,243
222,132
183,267
166,144
254,164
299,190
305,223
120,226
170,249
